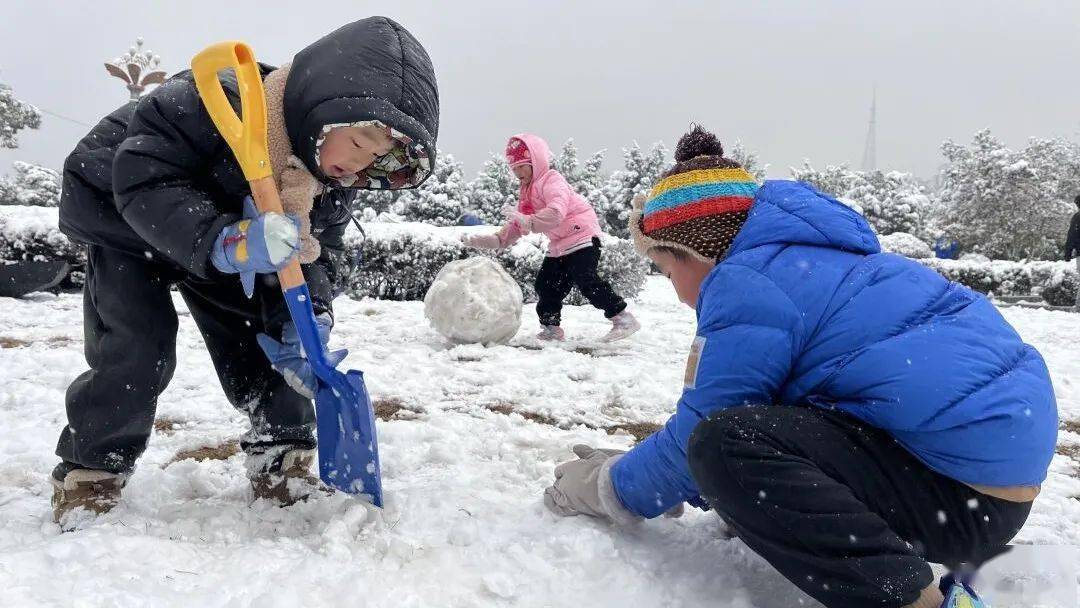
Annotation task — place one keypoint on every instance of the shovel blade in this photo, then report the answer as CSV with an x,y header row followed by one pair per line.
x,y
348,448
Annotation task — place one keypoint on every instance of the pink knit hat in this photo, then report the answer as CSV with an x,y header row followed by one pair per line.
x,y
517,153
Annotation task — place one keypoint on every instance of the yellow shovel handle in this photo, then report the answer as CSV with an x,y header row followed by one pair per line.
x,y
246,137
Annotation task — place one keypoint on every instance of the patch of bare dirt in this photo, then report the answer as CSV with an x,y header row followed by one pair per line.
x,y
223,451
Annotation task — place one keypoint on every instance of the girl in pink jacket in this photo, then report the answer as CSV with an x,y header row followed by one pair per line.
x,y
549,205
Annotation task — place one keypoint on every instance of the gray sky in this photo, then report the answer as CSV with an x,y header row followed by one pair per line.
x,y
791,79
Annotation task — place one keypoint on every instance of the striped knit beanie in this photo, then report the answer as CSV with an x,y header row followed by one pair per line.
x,y
699,205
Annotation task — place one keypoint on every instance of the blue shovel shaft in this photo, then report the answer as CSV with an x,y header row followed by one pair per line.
x,y
348,449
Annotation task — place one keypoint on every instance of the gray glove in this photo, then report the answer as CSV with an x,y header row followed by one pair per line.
x,y
583,487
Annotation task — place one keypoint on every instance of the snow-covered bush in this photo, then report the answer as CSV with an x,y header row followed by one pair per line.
x,y
1063,287
400,261
31,185
976,258
31,233
905,244
1052,280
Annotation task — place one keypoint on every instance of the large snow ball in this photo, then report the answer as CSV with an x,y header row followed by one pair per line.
x,y
474,301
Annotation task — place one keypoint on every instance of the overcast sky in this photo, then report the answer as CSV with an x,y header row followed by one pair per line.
x,y
791,79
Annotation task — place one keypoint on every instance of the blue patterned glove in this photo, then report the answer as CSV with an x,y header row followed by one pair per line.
x,y
260,243
288,359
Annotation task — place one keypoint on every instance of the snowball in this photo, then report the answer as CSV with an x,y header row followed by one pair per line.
x,y
474,300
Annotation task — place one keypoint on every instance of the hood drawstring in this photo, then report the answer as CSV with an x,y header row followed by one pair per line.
x,y
356,222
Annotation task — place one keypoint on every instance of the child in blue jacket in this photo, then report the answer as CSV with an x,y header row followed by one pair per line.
x,y
851,414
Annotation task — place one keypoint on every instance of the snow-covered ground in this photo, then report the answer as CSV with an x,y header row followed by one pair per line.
x,y
464,471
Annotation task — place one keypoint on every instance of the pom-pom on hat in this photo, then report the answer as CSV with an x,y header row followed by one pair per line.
x,y
517,153
699,205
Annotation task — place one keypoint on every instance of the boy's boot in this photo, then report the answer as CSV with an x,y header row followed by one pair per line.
x,y
284,475
74,487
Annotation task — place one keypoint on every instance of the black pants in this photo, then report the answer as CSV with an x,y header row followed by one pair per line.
x,y
558,276
839,508
130,329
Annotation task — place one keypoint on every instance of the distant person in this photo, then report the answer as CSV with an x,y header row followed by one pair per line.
x,y
1072,244
946,248
549,205
469,219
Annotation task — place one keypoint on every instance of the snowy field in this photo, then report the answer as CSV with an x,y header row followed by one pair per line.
x,y
471,437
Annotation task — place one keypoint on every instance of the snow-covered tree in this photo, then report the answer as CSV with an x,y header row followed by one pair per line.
x,y
441,199
749,160
566,160
494,187
834,180
640,171
31,185
15,116
891,201
586,178
1056,161
1003,203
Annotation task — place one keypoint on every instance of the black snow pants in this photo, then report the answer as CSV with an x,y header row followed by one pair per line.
x,y
130,328
840,508
559,275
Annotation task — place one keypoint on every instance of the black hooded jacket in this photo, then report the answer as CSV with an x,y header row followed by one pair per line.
x,y
1072,239
156,177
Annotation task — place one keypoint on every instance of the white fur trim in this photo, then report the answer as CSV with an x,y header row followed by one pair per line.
x,y
77,476
644,244
303,458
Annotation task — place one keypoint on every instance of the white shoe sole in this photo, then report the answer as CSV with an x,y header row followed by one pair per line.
x,y
621,333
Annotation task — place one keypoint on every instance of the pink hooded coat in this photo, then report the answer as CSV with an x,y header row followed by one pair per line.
x,y
551,206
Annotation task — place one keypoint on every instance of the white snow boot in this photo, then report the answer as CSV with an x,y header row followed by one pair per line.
x,y
551,333
91,489
284,475
623,325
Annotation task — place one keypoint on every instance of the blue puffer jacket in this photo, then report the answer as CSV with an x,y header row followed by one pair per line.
x,y
805,309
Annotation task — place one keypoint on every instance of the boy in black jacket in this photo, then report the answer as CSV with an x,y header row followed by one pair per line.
x,y
158,198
